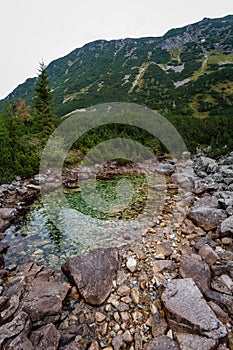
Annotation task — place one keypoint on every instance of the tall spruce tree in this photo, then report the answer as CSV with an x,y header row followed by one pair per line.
x,y
45,118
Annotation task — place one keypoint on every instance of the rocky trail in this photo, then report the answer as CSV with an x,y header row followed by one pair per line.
x,y
171,288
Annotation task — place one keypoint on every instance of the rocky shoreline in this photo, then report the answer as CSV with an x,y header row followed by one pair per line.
x,y
171,288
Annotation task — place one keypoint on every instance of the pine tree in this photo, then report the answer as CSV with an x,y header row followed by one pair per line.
x,y
45,118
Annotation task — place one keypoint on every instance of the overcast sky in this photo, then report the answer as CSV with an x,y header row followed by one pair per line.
x,y
33,30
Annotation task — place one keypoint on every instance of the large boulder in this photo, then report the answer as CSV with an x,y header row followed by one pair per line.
x,y
205,164
206,217
164,169
187,309
93,273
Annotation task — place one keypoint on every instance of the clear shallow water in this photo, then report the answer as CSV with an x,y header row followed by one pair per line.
x,y
103,213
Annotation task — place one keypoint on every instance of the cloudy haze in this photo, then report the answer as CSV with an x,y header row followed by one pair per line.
x,y
47,29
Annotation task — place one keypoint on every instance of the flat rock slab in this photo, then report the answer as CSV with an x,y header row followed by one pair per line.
x,y
93,273
43,303
193,342
162,343
186,306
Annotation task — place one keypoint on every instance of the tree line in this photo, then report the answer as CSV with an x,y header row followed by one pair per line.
x,y
24,131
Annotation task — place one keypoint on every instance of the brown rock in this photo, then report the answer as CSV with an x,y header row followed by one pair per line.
x,y
3,247
192,266
122,306
221,299
194,342
21,342
140,254
218,311
121,277
4,224
7,213
135,295
227,241
137,341
117,342
123,290
46,337
127,337
12,329
222,284
208,254
186,249
73,346
93,273
94,345
159,326
125,316
43,303
161,266
164,249
186,306
162,343
99,317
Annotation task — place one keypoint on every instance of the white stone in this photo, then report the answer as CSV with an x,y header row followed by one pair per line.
x,y
131,264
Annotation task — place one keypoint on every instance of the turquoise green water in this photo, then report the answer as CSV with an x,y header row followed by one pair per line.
x,y
101,213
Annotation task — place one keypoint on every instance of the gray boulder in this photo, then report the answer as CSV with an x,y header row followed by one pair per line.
x,y
206,217
205,164
187,309
226,227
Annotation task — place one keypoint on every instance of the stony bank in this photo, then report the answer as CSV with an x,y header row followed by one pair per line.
x,y
171,288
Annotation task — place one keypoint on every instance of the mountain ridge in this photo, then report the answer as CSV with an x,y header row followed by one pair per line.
x,y
189,71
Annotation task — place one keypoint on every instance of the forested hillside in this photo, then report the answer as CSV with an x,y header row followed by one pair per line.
x,y
188,71
186,75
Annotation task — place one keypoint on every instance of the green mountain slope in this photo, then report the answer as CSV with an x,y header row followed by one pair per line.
x,y
188,71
